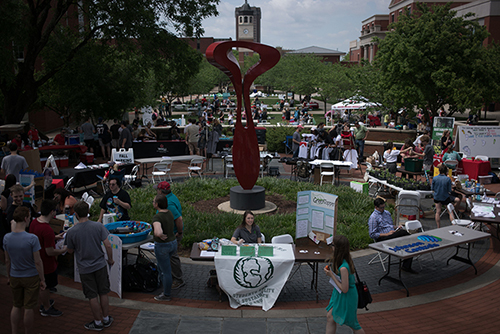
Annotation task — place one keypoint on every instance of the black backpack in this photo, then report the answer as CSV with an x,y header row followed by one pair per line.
x,y
303,169
131,279
140,277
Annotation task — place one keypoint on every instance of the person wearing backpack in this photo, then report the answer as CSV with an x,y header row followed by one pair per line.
x,y
343,305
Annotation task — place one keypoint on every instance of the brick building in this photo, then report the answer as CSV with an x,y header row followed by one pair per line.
x,y
327,55
487,13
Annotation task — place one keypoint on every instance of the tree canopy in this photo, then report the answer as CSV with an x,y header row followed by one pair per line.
x,y
53,33
432,58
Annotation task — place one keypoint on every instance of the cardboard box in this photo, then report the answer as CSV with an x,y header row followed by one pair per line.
x,y
360,187
57,225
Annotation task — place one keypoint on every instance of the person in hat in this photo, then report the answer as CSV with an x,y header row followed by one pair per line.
x,y
296,141
174,205
360,134
116,200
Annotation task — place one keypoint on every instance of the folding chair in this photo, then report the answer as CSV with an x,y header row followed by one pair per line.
x,y
129,178
288,239
330,172
228,161
162,169
196,166
85,196
456,221
288,144
90,201
415,225
378,258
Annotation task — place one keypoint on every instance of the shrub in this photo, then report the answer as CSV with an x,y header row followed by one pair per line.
x,y
276,136
353,212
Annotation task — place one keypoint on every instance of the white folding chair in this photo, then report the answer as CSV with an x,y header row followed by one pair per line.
x,y
228,160
416,225
329,172
90,200
407,203
288,239
85,196
196,166
262,237
128,179
379,259
456,220
161,170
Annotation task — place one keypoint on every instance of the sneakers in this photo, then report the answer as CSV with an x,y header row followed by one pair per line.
x,y
51,302
109,322
93,326
162,298
52,312
178,284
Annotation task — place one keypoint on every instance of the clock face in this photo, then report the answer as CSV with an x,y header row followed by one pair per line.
x,y
245,31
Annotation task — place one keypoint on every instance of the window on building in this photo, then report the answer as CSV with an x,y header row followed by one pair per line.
x,y
241,19
409,10
245,20
392,17
250,19
18,52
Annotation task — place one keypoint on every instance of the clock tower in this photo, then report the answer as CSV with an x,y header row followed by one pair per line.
x,y
247,26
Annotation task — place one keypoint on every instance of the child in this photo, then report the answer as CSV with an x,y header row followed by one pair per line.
x,y
343,306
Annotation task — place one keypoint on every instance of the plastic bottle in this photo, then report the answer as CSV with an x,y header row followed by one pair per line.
x,y
478,187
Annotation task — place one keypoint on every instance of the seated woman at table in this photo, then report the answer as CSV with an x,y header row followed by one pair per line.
x,y
391,157
150,132
451,154
247,232
407,149
64,200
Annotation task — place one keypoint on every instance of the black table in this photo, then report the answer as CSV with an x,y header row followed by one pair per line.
x,y
159,148
88,176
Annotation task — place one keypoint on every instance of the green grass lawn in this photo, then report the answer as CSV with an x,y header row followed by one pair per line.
x,y
354,209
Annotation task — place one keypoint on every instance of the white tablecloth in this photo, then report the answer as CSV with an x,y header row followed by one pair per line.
x,y
254,281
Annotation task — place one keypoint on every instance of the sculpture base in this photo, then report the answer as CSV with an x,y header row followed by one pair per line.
x,y
253,199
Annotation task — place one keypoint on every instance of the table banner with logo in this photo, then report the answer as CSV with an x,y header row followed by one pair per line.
x,y
254,280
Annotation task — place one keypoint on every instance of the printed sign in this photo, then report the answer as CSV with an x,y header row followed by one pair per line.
x,y
440,125
123,155
316,212
479,140
254,280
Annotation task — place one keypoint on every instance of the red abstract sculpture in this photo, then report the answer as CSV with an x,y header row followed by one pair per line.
x,y
246,158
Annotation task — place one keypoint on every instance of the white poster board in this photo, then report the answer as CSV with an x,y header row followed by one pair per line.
x,y
115,271
254,280
122,155
479,140
147,113
316,211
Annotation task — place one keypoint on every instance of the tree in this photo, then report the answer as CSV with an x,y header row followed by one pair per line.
x,y
99,81
432,58
32,30
334,83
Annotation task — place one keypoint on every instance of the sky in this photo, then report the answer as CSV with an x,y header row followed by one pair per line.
x,y
292,24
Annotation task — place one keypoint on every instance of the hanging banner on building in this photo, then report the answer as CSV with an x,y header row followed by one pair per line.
x,y
254,280
316,213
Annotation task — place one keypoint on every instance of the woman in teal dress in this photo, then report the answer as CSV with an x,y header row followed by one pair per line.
x,y
343,305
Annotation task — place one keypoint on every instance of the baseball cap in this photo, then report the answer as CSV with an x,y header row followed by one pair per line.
x,y
164,185
300,126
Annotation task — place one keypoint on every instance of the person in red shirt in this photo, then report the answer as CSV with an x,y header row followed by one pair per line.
x,y
18,140
33,135
48,252
60,138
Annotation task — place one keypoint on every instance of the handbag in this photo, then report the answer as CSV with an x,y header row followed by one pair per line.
x,y
364,296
